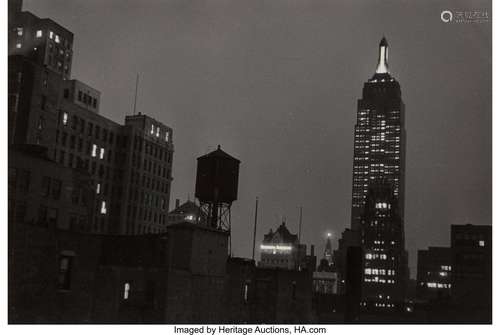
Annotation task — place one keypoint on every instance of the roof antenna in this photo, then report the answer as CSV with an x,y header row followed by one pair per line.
x,y
300,222
136,86
255,226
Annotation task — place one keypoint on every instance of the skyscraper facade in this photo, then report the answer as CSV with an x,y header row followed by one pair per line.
x,y
379,138
378,189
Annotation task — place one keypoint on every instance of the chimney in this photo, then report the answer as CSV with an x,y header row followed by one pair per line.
x,y
177,203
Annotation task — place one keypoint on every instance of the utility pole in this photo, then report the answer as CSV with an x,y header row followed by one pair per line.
x,y
255,226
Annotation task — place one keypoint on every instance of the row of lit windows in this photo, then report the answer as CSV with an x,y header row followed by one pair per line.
x,y
378,280
157,132
77,123
94,151
389,272
39,34
438,285
382,205
375,256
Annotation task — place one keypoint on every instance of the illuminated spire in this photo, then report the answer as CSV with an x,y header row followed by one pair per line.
x,y
382,66
328,249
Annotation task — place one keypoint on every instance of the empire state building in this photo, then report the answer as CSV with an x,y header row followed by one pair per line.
x,y
379,138
378,190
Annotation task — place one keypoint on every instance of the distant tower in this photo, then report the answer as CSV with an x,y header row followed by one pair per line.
x,y
329,250
217,187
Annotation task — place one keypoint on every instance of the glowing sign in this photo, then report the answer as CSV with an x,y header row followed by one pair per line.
x,y
276,247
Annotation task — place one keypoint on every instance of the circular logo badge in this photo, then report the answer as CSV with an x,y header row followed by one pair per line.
x,y
446,16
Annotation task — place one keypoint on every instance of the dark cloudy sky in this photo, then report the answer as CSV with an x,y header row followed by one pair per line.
x,y
275,82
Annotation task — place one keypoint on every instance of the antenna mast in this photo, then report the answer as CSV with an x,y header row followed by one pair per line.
x,y
300,223
136,86
255,226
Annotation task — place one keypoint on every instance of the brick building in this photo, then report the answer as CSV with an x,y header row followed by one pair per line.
x,y
471,285
46,194
281,249
130,165
183,276
434,274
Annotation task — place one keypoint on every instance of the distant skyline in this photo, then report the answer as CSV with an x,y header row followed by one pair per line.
x,y
276,84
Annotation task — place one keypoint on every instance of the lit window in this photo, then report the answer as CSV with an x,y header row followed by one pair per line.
x,y
157,131
152,129
94,150
20,31
368,256
101,153
443,274
57,39
126,290
65,118
166,136
18,45
245,292
368,271
39,33
189,217
98,188
481,243
51,35
103,207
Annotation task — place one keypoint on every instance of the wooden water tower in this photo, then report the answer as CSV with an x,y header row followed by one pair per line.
x,y
217,187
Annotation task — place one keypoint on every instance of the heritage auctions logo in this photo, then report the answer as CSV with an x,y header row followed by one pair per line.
x,y
472,16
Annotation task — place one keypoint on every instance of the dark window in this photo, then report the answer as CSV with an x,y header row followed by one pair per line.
x,y
83,223
89,132
73,223
23,180
79,95
56,188
20,211
12,180
42,216
66,93
61,157
94,103
52,217
45,186
64,278
44,102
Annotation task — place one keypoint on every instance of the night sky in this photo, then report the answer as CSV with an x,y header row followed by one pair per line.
x,y
276,84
